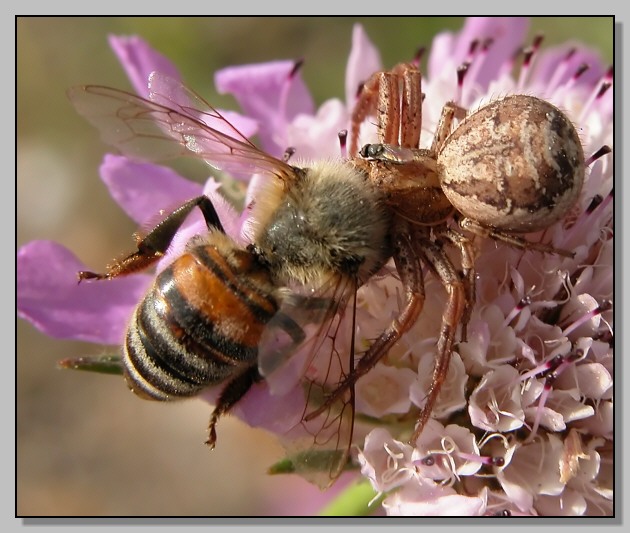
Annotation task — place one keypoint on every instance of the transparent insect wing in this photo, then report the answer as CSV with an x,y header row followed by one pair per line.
x,y
295,335
165,129
171,93
313,349
319,449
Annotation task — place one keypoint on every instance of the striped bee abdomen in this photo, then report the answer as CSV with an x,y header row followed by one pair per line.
x,y
199,324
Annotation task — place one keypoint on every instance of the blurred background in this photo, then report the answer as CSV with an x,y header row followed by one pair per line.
x,y
86,446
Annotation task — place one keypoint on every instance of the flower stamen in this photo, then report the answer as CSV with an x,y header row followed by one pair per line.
x,y
553,368
462,70
597,94
417,57
605,305
562,68
343,143
528,56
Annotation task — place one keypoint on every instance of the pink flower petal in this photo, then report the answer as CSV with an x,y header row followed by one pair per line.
x,y
316,137
279,414
453,449
384,390
433,500
572,503
533,470
507,34
386,462
49,296
364,60
139,59
452,397
556,66
144,189
495,404
271,93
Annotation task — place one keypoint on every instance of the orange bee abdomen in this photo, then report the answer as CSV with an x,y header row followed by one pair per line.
x,y
200,321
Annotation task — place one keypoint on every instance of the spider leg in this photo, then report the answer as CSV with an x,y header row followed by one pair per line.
x,y
509,238
411,105
457,301
450,112
395,98
467,254
371,99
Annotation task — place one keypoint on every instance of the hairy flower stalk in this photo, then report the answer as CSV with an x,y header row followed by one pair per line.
x,y
524,422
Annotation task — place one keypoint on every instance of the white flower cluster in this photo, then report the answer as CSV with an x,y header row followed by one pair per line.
x,y
527,405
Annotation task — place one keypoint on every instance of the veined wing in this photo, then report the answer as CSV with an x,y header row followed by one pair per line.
x,y
174,122
311,342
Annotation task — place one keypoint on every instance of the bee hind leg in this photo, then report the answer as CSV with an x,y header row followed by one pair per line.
x,y
155,244
231,394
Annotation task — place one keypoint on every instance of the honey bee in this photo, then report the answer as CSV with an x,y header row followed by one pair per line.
x,y
223,313
228,314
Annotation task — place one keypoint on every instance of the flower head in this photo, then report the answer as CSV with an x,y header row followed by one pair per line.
x,y
523,424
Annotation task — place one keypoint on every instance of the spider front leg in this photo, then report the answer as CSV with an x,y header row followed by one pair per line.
x,y
395,98
155,244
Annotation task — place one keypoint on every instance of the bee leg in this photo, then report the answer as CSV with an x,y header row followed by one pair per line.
x,y
154,245
231,394
438,261
406,260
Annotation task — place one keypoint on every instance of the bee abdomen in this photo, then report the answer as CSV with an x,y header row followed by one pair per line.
x,y
200,323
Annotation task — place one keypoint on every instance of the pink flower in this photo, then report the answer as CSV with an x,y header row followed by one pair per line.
x,y
523,425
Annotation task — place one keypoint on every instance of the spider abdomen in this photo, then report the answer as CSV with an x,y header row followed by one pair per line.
x,y
516,164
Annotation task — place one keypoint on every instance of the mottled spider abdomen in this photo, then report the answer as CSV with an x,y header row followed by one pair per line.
x,y
516,164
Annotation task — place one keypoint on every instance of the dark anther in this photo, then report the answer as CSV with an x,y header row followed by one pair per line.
x,y
497,461
429,460
581,70
296,66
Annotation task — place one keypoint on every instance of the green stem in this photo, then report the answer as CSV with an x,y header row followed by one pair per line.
x,y
355,500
